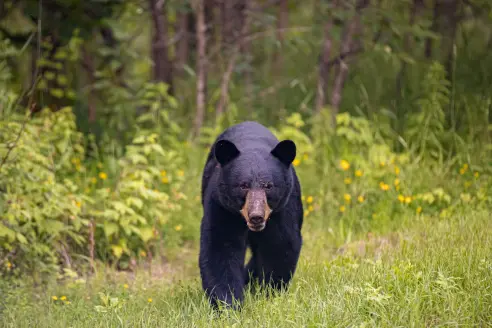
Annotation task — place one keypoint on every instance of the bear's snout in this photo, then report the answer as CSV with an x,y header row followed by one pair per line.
x,y
256,210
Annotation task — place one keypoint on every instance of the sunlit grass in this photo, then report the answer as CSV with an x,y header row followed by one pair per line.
x,y
437,272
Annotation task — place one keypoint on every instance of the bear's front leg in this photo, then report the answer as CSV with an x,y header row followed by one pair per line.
x,y
221,261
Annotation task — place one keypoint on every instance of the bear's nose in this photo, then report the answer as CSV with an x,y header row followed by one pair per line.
x,y
256,219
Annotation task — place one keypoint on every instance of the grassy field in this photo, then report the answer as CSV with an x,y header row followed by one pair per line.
x,y
431,272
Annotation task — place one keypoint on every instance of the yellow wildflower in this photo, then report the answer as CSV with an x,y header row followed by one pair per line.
x,y
63,298
360,199
408,199
342,208
181,173
310,208
178,227
397,170
476,174
401,198
462,171
68,302
78,204
384,186
397,182
143,254
382,164
163,173
419,210
8,265
465,166
165,180
347,198
345,165
296,162
306,212
103,176
149,300
347,181
309,199
54,298
125,286
358,173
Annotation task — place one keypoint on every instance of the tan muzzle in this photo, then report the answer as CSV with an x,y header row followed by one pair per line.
x,y
256,211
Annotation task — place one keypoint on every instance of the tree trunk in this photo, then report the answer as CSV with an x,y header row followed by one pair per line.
x,y
201,82
89,65
162,69
324,67
183,40
224,89
282,23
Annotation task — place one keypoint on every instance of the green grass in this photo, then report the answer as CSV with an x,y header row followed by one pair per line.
x,y
434,272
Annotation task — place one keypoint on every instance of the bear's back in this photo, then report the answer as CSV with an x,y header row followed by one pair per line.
x,y
249,135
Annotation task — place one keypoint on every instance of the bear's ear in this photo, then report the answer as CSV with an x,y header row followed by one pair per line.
x,y
285,151
225,151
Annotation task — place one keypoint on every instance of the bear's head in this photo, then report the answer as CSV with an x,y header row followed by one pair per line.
x,y
255,182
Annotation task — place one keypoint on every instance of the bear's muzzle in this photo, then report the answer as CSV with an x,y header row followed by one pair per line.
x,y
256,211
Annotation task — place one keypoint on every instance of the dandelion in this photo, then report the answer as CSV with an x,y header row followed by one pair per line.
x,y
103,176
78,204
358,173
309,200
360,199
347,181
345,165
401,198
419,210
342,209
149,300
165,180
347,198
54,298
476,174
408,199
8,265
163,173
465,166
310,208
63,298
296,162
384,186
93,180
397,170
143,254
178,227
181,173
462,171
382,164
125,286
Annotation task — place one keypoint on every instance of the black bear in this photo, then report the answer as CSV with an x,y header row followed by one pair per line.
x,y
251,197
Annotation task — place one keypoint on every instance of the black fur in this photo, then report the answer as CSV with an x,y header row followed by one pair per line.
x,y
248,154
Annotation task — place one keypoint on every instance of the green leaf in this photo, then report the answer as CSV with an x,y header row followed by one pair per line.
x,y
110,228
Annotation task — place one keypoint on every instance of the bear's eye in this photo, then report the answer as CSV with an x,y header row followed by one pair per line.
x,y
268,185
244,186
